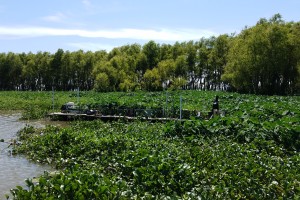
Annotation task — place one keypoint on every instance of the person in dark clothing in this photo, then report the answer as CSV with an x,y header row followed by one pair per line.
x,y
215,108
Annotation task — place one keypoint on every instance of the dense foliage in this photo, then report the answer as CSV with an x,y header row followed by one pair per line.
x,y
263,59
34,105
251,153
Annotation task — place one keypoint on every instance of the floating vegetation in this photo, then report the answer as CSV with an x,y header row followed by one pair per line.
x,y
250,153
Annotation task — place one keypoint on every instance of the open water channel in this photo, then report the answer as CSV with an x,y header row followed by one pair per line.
x,y
14,170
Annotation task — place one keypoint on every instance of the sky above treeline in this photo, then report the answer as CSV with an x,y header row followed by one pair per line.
x,y
35,25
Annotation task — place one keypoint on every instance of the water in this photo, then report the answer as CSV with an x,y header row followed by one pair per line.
x,y
14,170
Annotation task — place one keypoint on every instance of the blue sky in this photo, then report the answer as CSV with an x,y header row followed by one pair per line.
x,y
46,25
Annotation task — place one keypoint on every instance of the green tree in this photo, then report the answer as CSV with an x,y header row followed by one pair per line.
x,y
152,53
166,69
110,71
202,62
181,66
42,66
28,72
102,82
88,81
152,80
191,55
10,71
141,66
128,85
67,71
53,77
166,52
263,58
295,39
218,59
177,50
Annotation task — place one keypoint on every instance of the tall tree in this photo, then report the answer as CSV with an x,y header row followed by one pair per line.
x,y
166,52
191,54
181,66
166,69
261,57
152,80
218,59
152,53
54,75
204,65
67,71
11,71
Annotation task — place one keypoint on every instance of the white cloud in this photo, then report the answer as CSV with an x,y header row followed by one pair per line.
x,y
138,34
58,17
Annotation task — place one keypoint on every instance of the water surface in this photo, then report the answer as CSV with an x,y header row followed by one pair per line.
x,y
14,170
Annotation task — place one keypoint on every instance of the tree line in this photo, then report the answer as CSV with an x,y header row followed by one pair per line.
x,y
263,59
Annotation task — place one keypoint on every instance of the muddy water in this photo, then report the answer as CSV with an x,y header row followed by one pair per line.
x,y
14,169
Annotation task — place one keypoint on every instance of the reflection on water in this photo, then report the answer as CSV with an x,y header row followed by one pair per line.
x,y
14,169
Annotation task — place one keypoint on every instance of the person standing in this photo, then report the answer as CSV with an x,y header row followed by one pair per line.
x,y
215,108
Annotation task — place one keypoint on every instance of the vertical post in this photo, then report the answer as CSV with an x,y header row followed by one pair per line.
x,y
180,107
53,98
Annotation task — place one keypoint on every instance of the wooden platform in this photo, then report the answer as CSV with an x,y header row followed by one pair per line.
x,y
73,116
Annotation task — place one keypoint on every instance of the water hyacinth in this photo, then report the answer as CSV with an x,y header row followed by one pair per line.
x,y
250,153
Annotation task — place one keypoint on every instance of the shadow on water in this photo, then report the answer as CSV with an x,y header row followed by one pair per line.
x,y
14,170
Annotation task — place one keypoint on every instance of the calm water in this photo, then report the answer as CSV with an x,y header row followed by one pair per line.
x,y
14,169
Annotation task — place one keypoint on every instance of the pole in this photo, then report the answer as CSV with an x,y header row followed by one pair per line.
x,y
53,98
180,107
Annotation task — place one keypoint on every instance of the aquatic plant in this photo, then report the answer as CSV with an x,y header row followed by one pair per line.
x,y
250,153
